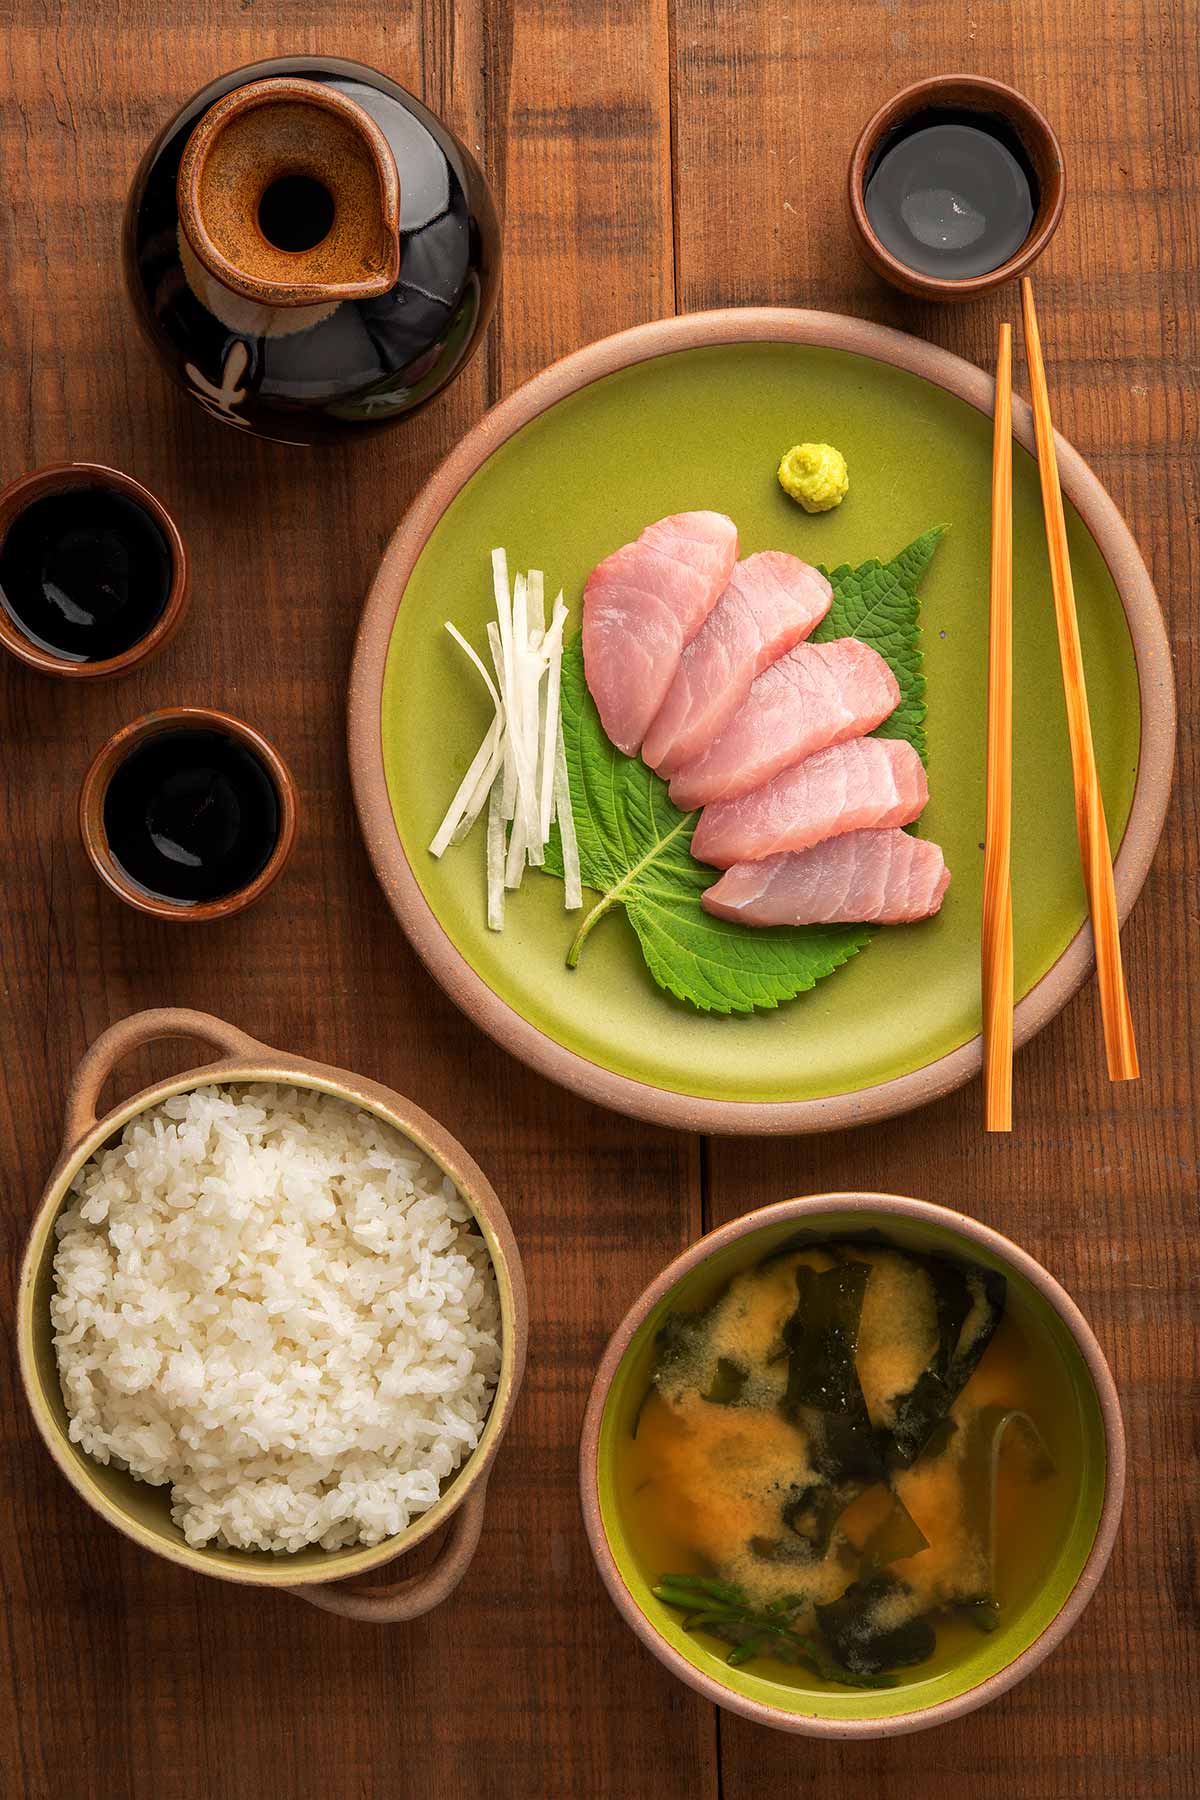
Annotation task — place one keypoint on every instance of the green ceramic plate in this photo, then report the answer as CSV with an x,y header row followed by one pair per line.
x,y
695,413
1090,1447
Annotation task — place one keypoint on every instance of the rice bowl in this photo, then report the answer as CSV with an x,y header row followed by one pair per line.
x,y
276,1304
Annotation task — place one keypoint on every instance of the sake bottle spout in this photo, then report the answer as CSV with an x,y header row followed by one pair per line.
x,y
289,195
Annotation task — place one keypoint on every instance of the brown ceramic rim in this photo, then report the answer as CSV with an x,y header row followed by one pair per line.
x,y
56,478
187,189
105,764
971,93
1106,1530
243,1058
664,1106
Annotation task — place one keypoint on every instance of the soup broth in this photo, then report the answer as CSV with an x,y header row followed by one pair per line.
x,y
735,1474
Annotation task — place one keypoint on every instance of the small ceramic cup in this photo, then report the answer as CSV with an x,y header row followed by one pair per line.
x,y
142,1512
109,759
964,94
1020,1642
59,478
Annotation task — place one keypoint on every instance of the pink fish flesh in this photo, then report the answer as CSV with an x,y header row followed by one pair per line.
x,y
772,602
816,695
866,782
641,606
866,877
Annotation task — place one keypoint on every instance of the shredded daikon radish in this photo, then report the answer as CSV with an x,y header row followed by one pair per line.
x,y
452,825
536,716
537,845
483,787
503,600
519,770
458,637
495,862
552,646
537,603
572,886
471,783
513,669
522,701
503,661
509,786
515,694
518,845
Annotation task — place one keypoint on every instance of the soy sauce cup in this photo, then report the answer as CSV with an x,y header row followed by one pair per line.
x,y
188,814
1003,114
93,572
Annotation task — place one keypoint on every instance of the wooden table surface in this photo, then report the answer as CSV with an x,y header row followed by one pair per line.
x,y
650,156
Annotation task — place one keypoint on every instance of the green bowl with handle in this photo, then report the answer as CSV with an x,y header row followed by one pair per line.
x,y
143,1512
1027,1633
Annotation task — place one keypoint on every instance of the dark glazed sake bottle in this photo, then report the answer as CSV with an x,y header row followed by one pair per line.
x,y
310,250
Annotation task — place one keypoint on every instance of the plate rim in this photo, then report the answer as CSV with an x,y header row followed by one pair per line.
x,y
446,963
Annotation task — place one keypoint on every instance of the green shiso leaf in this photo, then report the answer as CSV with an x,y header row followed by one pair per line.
x,y
878,603
635,846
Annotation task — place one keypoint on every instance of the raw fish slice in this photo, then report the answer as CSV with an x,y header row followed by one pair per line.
x,y
773,601
863,783
816,695
866,877
702,540
641,606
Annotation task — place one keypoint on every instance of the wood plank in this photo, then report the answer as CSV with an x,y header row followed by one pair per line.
x,y
151,1681
1098,1181
154,1682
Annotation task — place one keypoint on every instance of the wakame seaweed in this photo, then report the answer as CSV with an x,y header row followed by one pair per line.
x,y
879,1621
897,1535
861,1642
812,1514
981,1453
823,1389
728,1383
957,1288
825,1397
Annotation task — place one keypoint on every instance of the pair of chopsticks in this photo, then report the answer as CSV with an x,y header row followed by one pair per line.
x,y
1089,808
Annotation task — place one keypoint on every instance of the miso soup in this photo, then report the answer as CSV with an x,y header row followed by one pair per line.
x,y
853,1461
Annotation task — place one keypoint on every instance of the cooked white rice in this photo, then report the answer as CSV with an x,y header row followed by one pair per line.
x,y
275,1303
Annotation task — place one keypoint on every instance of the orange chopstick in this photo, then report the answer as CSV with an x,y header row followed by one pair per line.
x,y
997,958
1089,807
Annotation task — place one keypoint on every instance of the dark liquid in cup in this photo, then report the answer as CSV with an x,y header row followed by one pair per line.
x,y
191,815
951,194
85,573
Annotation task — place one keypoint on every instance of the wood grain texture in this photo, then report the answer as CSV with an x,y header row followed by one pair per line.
x,y
1098,1181
646,156
126,1676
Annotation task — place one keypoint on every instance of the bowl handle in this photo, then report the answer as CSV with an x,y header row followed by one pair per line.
x,y
127,1035
415,1594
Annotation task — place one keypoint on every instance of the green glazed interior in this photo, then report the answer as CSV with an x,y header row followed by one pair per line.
x,y
912,1692
706,428
143,1511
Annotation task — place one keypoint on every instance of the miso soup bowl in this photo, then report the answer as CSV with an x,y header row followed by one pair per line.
x,y
1002,1658
142,1512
